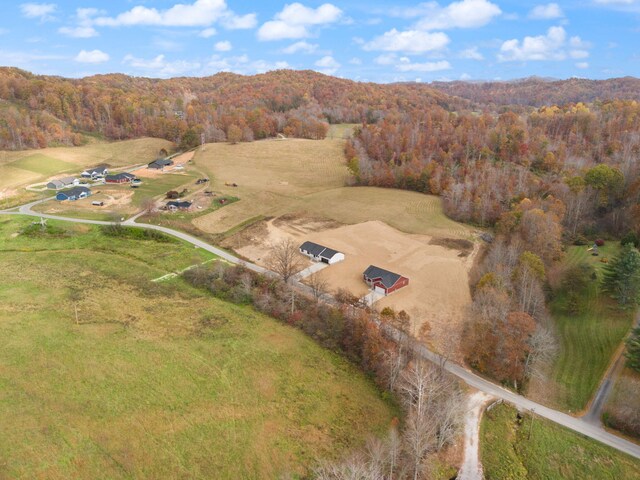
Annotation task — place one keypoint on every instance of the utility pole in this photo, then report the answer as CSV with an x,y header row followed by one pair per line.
x,y
533,411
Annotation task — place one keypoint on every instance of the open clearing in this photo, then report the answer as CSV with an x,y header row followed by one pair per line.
x,y
588,339
30,166
277,177
157,380
438,292
551,453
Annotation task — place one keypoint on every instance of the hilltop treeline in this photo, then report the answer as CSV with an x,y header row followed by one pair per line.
x,y
538,92
38,111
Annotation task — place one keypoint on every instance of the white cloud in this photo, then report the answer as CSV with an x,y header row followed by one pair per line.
x,y
328,65
462,14
471,54
92,56
201,13
43,11
406,65
295,19
409,41
355,61
243,65
223,46
207,32
465,77
302,46
551,46
161,67
386,59
78,32
582,65
546,12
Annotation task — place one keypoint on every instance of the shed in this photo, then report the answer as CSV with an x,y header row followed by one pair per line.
x,y
383,281
59,183
320,253
75,193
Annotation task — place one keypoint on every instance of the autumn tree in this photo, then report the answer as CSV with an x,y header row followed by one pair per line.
x,y
234,134
622,276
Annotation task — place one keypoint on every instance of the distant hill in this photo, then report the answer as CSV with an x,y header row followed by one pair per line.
x,y
537,92
38,111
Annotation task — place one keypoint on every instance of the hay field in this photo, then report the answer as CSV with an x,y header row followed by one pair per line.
x,y
157,380
31,166
277,177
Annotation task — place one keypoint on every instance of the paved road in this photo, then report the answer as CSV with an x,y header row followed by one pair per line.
x,y
576,424
594,414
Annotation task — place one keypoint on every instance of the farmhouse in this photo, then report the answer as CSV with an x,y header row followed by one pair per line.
x,y
160,164
95,172
120,178
174,205
62,183
320,253
74,193
384,281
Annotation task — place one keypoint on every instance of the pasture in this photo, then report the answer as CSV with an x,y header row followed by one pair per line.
x,y
157,380
551,452
278,177
21,168
589,339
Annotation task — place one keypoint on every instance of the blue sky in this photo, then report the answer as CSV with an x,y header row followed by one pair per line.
x,y
369,40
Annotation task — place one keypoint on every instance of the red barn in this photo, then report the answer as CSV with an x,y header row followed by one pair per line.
x,y
384,281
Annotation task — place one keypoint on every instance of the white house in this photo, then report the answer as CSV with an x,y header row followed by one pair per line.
x,y
319,253
95,172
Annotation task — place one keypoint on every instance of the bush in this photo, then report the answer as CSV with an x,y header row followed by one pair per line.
x,y
35,230
630,237
133,233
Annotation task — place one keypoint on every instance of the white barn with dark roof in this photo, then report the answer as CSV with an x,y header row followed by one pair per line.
x,y
320,253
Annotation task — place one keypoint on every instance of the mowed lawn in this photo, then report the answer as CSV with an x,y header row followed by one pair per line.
x,y
549,452
275,177
42,164
589,339
157,380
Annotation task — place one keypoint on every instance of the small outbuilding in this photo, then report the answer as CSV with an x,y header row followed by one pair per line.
x,y
123,177
320,253
96,172
383,281
160,164
75,193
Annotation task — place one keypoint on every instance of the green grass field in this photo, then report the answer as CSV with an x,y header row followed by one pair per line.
x,y
156,380
153,187
589,339
551,453
43,164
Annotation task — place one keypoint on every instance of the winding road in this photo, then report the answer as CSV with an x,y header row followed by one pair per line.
x,y
580,425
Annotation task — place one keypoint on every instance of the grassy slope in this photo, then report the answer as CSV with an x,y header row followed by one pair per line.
x,y
157,380
275,177
552,452
588,340
42,164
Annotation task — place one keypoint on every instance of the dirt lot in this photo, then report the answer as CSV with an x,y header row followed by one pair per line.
x,y
438,292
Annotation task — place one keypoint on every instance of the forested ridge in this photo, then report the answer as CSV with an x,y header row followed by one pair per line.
x,y
38,111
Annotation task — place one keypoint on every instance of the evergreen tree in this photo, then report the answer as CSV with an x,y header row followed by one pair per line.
x,y
622,276
633,350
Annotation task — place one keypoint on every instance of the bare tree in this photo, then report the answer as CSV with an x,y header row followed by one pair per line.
x,y
285,260
319,286
543,349
148,205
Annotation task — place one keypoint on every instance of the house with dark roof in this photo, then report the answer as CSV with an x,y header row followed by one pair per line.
x,y
95,172
75,193
177,205
160,163
123,177
320,253
60,183
383,281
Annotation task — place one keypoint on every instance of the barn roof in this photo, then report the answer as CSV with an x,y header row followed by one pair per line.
x,y
118,176
161,162
387,278
318,250
100,169
75,191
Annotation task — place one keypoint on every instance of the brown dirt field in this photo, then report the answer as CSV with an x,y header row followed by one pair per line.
x,y
438,292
